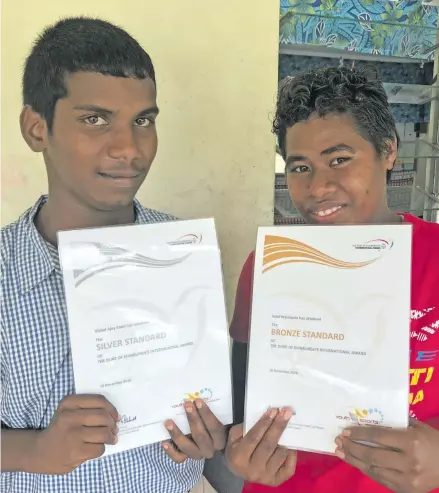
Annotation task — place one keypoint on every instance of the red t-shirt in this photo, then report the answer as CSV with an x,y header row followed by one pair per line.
x,y
317,473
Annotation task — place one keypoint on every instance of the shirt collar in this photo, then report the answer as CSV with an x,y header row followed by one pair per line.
x,y
35,263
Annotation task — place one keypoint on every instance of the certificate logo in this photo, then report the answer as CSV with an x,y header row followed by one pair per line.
x,y
205,394
379,245
359,416
189,239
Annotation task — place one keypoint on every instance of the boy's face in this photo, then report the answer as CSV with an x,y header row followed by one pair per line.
x,y
103,140
334,175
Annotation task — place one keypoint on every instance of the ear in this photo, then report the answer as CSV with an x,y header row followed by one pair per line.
x,y
390,154
33,129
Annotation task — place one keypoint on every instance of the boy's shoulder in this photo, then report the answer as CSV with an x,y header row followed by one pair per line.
x,y
16,236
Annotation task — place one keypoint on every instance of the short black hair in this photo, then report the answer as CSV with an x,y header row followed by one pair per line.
x,y
337,90
79,44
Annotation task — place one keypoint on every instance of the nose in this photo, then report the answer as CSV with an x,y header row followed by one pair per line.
x,y
123,145
322,183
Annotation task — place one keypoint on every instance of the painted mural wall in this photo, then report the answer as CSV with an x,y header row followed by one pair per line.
x,y
403,28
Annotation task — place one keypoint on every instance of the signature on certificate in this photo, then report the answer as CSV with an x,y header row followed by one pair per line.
x,y
127,419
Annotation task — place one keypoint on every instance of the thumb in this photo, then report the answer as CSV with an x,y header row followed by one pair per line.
x,y
236,433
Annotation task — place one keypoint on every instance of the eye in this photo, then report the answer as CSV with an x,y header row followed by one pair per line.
x,y
143,122
339,160
298,169
95,120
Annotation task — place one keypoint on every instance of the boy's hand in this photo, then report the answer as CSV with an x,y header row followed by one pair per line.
x,y
257,457
208,435
80,429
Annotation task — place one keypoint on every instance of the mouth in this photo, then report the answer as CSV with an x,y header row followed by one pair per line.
x,y
121,180
119,176
325,213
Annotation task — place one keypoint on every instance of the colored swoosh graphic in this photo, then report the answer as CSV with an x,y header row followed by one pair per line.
x,y
116,257
279,250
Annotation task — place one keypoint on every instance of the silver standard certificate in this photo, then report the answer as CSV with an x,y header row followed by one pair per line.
x,y
330,330
148,325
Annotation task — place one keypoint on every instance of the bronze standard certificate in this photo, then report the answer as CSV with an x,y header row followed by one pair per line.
x,y
330,330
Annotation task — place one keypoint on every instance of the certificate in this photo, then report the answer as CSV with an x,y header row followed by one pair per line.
x,y
147,321
330,330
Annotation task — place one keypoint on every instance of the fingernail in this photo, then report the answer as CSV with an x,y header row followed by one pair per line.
x,y
199,404
272,414
287,413
340,454
116,430
339,443
189,408
165,446
169,425
346,433
119,418
115,439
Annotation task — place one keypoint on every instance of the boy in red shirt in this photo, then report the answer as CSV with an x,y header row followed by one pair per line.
x,y
339,141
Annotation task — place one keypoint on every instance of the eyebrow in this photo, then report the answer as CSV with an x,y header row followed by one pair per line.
x,y
337,148
330,150
103,111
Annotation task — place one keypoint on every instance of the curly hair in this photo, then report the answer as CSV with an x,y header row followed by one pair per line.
x,y
337,90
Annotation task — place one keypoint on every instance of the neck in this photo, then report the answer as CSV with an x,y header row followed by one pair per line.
x,y
55,216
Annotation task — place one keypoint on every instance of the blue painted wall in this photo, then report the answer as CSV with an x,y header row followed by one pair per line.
x,y
403,28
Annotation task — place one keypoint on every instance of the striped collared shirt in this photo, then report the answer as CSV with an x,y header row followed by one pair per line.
x,y
36,371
